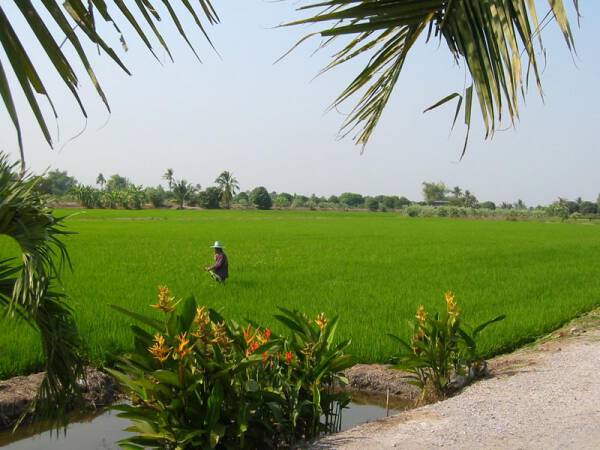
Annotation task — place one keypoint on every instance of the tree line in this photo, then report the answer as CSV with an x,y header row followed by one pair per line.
x,y
117,191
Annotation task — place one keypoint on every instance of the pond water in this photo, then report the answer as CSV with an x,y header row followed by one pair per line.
x,y
103,429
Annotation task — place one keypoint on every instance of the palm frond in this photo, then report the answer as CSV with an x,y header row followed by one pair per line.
x,y
491,37
74,18
27,286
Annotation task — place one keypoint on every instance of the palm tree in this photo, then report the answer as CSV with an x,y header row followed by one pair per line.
x,y
28,286
100,180
457,192
74,21
168,175
182,190
228,187
491,37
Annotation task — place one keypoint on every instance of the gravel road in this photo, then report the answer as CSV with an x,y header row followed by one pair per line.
x,y
543,397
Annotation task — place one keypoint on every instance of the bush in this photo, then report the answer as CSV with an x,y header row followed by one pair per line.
x,y
441,350
372,204
352,200
413,211
157,196
201,381
260,198
210,198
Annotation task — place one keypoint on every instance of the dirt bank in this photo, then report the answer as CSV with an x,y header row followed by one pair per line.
x,y
16,394
546,396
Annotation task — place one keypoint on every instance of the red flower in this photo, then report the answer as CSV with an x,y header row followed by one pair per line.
x,y
289,357
265,357
268,333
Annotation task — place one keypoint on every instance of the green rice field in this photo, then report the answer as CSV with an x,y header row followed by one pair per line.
x,y
373,269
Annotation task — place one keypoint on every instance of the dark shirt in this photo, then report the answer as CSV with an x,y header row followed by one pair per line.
x,y
221,265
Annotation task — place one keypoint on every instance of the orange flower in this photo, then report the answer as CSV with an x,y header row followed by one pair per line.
x,y
289,357
220,336
321,321
249,334
268,333
166,302
202,317
159,349
451,304
182,348
421,314
265,357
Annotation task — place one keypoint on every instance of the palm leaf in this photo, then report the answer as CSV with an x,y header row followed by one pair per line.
x,y
491,38
72,18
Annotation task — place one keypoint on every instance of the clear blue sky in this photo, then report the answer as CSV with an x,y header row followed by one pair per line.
x,y
267,123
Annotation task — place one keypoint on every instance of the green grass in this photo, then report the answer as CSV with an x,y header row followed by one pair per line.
x,y
373,269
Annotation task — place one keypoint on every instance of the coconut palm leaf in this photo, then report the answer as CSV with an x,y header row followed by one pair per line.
x,y
26,286
73,18
495,39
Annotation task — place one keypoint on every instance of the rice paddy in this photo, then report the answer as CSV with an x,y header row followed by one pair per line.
x,y
373,269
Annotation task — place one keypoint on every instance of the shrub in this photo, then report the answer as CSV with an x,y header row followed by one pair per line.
x,y
413,211
351,199
260,198
441,349
201,381
157,196
210,198
372,204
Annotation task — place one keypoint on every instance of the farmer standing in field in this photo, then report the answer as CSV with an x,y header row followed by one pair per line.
x,y
220,269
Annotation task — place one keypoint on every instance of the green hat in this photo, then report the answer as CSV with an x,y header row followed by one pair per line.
x,y
217,245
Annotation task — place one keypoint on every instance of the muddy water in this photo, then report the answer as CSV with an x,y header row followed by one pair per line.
x,y
103,429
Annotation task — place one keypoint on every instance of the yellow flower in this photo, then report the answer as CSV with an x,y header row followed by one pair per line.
x,y
166,302
202,317
249,334
421,314
182,348
159,349
321,321
219,335
451,304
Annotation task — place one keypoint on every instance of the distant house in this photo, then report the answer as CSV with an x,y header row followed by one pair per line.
x,y
440,203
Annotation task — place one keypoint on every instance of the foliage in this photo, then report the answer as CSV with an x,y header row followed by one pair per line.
x,y
157,196
117,182
487,205
228,186
260,198
169,177
42,20
28,286
441,348
209,198
283,200
57,183
200,381
100,180
434,192
131,197
372,204
495,39
351,199
182,191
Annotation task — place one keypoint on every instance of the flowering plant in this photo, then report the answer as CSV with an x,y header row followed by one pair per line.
x,y
198,380
441,349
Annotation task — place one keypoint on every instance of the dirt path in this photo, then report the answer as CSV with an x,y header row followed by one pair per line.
x,y
543,397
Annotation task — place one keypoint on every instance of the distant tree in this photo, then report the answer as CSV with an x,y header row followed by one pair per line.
x,y
182,191
333,199
283,200
598,202
228,187
433,192
506,205
487,205
157,196
260,198
372,204
242,198
588,208
456,192
168,175
351,199
209,198
470,201
520,204
100,180
117,183
389,201
56,183
401,203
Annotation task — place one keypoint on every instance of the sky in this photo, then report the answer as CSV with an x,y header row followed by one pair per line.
x,y
269,125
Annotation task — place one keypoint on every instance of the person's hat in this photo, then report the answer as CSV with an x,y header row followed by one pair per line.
x,y
217,245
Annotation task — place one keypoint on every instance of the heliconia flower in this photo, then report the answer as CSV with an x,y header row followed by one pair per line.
x,y
265,357
289,357
249,334
321,321
451,304
219,335
268,333
421,314
159,349
202,317
182,348
166,302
